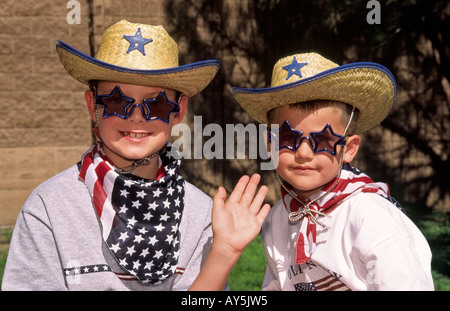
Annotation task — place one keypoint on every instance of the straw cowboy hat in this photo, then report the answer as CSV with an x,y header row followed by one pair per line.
x,y
370,87
138,54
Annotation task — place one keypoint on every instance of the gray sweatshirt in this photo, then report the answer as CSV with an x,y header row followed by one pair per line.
x,y
57,242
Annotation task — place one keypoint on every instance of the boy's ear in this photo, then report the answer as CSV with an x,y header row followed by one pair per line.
x,y
351,148
177,118
89,97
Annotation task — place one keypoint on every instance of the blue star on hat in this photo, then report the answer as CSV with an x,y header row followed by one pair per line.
x,y
294,68
137,42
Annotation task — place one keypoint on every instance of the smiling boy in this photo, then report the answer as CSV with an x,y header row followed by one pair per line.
x,y
334,228
137,138
124,218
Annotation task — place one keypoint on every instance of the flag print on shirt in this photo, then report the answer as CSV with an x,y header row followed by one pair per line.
x,y
327,283
313,277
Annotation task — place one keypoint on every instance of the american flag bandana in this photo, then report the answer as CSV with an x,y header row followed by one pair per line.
x,y
351,181
140,218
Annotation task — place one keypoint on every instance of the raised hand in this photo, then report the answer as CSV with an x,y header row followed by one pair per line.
x,y
238,220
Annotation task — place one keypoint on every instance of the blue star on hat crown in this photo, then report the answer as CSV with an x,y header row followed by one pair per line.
x,y
294,68
137,42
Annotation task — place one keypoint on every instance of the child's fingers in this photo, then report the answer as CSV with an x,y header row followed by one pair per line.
x,y
258,200
249,193
239,189
219,198
263,212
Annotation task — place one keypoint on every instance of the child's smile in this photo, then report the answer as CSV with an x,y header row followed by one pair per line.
x,y
133,137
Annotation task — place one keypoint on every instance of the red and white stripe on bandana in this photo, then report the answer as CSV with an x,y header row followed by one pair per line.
x,y
351,181
93,173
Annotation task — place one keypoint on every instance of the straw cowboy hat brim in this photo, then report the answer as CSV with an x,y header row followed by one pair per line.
x,y
189,79
370,87
138,54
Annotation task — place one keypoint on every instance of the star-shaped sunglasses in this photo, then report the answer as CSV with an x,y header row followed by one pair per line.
x,y
324,141
120,105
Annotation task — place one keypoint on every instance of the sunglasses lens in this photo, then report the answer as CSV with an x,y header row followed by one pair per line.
x,y
114,103
326,142
160,107
287,139
287,136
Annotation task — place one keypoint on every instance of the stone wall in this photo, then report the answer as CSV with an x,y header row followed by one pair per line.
x,y
45,126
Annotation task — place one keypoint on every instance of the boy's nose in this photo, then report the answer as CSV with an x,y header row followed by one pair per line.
x,y
137,113
304,151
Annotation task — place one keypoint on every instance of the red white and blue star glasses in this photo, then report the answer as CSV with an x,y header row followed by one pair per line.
x,y
324,141
120,105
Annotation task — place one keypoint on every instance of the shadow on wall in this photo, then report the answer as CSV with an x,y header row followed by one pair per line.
x,y
409,150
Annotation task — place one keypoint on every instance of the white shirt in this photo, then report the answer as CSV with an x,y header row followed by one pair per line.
x,y
368,244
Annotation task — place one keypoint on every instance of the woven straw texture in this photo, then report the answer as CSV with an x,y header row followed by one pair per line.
x,y
320,64
158,67
161,53
367,88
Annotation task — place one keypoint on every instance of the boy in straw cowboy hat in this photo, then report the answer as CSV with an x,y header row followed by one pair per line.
x,y
334,228
124,218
